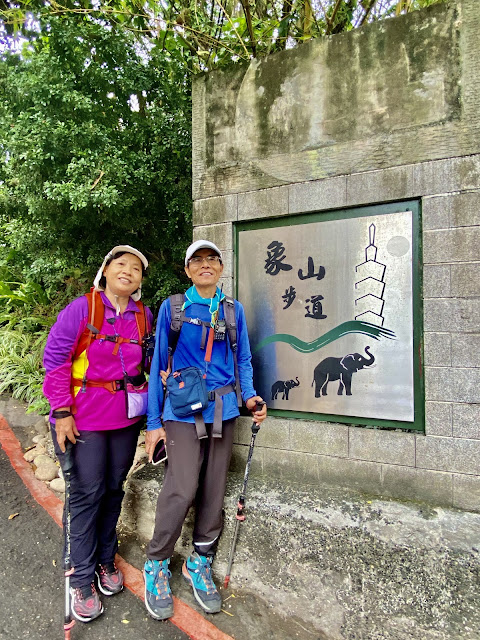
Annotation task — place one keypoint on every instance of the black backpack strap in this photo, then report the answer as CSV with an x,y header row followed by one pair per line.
x,y
176,322
229,313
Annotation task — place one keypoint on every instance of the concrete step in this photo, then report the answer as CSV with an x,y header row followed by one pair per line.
x,y
335,564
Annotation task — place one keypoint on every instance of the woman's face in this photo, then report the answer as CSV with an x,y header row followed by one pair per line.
x,y
123,275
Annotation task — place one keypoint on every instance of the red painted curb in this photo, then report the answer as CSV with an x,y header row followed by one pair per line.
x,y
185,618
42,494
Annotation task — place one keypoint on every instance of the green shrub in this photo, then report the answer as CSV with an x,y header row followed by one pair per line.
x,y
21,370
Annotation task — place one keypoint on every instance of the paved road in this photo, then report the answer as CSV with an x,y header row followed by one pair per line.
x,y
31,579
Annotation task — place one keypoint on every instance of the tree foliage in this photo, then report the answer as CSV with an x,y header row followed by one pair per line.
x,y
95,151
95,144
204,34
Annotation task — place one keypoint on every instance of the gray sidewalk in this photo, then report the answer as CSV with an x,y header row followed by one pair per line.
x,y
31,578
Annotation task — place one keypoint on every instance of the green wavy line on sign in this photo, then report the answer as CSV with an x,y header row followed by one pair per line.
x,y
352,326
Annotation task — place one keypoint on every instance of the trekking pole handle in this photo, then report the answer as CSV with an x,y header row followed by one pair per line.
x,y
68,457
255,426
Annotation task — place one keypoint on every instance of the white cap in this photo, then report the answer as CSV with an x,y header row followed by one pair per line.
x,y
126,248
201,244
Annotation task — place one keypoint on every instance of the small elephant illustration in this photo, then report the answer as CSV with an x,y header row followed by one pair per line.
x,y
281,386
340,369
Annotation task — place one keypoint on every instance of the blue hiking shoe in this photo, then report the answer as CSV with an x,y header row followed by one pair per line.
x,y
158,596
197,571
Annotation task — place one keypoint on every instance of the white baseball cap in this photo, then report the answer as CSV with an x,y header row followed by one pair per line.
x,y
126,248
201,244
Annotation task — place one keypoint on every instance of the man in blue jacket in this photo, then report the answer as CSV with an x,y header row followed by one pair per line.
x,y
197,467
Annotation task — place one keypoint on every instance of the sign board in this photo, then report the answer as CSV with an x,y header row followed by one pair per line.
x,y
329,302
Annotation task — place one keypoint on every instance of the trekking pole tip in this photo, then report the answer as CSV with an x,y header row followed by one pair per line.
x,y
226,581
67,627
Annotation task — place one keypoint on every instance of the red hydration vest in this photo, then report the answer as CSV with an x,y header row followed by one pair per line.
x,y
96,313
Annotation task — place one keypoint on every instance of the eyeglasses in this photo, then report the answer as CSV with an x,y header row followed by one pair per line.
x,y
198,260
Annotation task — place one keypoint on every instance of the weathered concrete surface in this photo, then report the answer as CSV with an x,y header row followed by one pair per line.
x,y
339,565
391,93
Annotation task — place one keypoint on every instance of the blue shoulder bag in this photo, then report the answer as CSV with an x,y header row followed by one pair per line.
x,y
187,391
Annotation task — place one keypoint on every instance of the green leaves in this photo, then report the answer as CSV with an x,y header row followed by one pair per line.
x,y
85,165
203,36
21,370
95,151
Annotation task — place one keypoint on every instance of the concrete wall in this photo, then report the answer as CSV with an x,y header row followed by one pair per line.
x,y
386,113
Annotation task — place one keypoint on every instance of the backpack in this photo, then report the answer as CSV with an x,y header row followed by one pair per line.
x,y
178,317
96,312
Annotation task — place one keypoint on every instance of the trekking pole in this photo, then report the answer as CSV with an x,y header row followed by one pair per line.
x,y
67,564
240,517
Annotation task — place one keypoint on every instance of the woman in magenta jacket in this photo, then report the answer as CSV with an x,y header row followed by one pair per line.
x,y
86,375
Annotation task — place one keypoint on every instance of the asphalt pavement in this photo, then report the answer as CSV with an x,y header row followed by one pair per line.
x,y
31,578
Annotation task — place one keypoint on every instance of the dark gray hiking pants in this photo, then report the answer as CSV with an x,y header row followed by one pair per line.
x,y
196,473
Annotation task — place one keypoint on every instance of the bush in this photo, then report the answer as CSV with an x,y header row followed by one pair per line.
x,y
21,371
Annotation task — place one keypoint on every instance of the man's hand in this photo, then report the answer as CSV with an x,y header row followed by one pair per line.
x,y
164,375
151,439
66,428
258,416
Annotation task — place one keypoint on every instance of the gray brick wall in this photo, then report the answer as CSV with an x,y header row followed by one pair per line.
x,y
436,162
441,466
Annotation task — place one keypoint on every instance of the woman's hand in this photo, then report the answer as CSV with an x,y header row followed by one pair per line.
x,y
164,375
66,428
151,439
258,415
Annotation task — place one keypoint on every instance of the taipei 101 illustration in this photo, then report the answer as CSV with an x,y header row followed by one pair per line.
x,y
370,286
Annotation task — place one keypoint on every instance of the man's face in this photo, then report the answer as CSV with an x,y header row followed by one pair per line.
x,y
204,268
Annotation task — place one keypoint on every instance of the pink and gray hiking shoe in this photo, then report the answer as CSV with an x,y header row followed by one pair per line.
x,y
110,579
86,604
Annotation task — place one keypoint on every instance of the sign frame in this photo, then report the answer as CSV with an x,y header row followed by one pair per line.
x,y
418,424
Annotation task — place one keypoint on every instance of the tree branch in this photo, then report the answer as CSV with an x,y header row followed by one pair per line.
x,y
248,17
367,12
331,20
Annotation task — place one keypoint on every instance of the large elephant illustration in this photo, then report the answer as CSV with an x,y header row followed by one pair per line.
x,y
281,386
340,369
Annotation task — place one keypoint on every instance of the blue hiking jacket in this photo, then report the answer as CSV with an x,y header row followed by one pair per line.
x,y
220,371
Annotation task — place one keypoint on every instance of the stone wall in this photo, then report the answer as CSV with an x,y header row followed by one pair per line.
x,y
386,113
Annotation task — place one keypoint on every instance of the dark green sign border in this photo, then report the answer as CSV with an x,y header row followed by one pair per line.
x,y
418,378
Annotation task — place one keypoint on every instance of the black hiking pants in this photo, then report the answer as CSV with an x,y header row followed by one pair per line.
x,y
195,474
101,463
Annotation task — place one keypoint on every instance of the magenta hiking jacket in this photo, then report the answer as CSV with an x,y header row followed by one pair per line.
x,y
97,409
